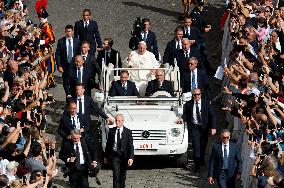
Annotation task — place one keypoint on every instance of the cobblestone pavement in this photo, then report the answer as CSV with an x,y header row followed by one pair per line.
x,y
115,19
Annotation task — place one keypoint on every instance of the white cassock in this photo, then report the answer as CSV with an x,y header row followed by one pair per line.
x,y
141,77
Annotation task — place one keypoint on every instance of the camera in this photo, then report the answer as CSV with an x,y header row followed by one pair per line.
x,y
137,28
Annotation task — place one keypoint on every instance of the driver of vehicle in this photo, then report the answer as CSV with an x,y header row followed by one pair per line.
x,y
159,84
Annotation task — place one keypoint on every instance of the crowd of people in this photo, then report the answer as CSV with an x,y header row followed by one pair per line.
x,y
254,84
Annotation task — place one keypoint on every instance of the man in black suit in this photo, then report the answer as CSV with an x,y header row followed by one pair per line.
x,y
71,120
123,87
192,33
119,151
109,54
67,48
149,37
78,73
159,84
173,46
195,78
184,54
86,106
87,30
225,162
91,64
200,118
79,155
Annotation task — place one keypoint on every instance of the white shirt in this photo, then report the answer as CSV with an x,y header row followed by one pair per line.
x,y
194,115
124,84
227,146
195,74
84,56
81,152
10,178
115,138
82,101
81,68
77,122
142,34
187,30
88,22
67,45
178,42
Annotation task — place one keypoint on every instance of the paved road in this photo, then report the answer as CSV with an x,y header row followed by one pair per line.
x,y
115,19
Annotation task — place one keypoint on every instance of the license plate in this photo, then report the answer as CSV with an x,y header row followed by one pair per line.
x,y
147,146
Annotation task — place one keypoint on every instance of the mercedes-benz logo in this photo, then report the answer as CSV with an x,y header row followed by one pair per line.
x,y
145,134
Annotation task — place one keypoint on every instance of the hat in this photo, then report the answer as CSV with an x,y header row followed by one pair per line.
x,y
12,165
40,7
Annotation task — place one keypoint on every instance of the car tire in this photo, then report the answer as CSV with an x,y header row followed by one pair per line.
x,y
182,160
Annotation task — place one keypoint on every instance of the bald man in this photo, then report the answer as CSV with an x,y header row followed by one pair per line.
x,y
78,74
159,84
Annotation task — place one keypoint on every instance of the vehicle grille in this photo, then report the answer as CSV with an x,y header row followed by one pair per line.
x,y
154,135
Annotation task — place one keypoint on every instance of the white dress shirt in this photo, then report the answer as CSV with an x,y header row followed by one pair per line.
x,y
67,45
84,56
195,73
227,146
88,22
142,34
194,115
82,161
77,122
83,107
187,30
178,42
115,138
124,84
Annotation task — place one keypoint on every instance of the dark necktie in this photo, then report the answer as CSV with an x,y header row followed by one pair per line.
x,y
118,141
145,36
79,78
225,160
73,122
77,155
178,46
124,89
84,58
186,55
69,56
108,54
80,106
86,25
198,113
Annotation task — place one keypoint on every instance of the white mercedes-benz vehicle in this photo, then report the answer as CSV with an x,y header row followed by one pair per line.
x,y
151,119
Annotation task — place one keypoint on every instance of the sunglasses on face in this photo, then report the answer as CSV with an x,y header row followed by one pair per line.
x,y
225,137
196,94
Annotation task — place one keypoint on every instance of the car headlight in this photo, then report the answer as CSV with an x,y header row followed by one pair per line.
x,y
175,132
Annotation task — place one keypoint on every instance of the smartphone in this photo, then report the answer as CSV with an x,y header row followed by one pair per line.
x,y
262,157
51,153
44,173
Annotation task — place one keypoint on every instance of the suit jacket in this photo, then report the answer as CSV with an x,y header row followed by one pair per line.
x,y
117,89
91,34
182,61
112,59
89,152
151,42
208,116
72,80
154,86
91,107
194,34
94,67
127,148
65,125
170,52
202,83
216,160
61,52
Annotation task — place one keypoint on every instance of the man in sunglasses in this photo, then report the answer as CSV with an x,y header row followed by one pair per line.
x,y
200,118
225,162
